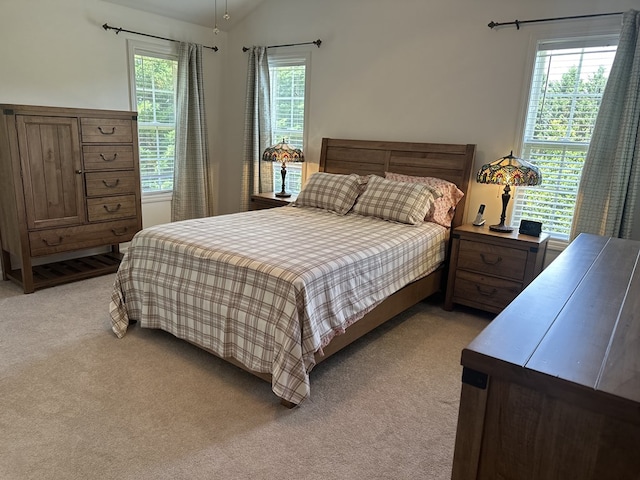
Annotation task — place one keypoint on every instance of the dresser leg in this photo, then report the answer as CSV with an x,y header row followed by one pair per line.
x,y
27,275
5,262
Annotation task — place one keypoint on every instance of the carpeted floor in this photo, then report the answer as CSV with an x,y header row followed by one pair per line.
x,y
78,403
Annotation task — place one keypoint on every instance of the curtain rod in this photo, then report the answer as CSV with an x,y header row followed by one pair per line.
x,y
517,23
315,42
118,30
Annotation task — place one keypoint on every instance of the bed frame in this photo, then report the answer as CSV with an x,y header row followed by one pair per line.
x,y
453,162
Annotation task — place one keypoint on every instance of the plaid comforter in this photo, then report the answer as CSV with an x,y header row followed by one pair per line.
x,y
269,288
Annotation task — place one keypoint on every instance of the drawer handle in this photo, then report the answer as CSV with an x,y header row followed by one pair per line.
x,y
54,243
112,210
486,293
111,185
489,261
119,233
113,130
115,155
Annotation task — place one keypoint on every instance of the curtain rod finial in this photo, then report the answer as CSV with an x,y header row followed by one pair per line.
x,y
492,24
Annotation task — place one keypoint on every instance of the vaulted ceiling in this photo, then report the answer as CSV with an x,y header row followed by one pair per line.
x,y
200,12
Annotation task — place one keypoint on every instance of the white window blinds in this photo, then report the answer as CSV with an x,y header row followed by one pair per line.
x,y
155,80
568,81
287,76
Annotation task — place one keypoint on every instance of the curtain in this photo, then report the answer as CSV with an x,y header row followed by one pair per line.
x,y
608,193
192,178
256,175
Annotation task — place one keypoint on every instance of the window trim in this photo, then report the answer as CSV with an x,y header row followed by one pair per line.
x,y
600,30
166,50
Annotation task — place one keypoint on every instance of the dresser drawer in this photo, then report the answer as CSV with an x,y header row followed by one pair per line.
x,y
107,157
111,208
106,130
48,242
491,291
492,259
110,183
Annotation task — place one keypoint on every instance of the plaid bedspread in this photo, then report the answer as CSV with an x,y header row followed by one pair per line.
x,y
269,288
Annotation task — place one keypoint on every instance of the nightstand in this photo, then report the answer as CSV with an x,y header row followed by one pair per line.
x,y
489,269
269,200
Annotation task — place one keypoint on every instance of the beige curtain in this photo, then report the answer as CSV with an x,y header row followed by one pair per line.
x,y
256,175
608,194
192,178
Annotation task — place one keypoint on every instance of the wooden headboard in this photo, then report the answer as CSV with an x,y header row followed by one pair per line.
x,y
452,162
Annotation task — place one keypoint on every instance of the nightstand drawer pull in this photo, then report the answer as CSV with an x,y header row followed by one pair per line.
x,y
119,233
486,293
488,261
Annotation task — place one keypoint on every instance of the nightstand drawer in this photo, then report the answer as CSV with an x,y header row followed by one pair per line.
x,y
486,290
492,259
260,201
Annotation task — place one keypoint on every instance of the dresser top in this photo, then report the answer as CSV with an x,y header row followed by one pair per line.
x,y
578,322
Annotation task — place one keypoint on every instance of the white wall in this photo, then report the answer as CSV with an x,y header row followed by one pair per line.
x,y
57,53
407,70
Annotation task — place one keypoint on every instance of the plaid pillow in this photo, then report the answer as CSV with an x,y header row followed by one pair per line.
x,y
396,201
330,191
444,207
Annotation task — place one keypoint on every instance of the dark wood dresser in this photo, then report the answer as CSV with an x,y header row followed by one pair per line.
x,y
551,388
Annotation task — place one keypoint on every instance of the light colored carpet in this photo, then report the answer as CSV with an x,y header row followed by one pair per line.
x,y
78,403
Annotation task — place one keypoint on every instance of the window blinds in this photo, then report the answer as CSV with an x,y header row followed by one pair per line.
x,y
567,84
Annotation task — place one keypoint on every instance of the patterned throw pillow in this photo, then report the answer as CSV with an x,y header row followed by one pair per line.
x,y
397,201
330,191
445,205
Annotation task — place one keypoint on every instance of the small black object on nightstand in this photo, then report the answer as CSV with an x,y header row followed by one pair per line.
x,y
529,227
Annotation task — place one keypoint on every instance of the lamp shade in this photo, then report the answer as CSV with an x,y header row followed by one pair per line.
x,y
283,153
509,170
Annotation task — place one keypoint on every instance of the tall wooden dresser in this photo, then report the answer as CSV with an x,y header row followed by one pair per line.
x,y
70,182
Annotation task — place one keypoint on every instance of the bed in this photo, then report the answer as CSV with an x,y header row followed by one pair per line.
x,y
277,291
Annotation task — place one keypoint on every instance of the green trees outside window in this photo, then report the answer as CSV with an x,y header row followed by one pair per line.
x,y
156,105
566,92
288,88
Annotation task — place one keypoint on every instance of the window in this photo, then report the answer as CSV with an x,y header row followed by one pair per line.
x,y
155,100
566,90
288,93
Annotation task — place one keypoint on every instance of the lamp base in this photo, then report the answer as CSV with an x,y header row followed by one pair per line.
x,y
283,195
501,227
